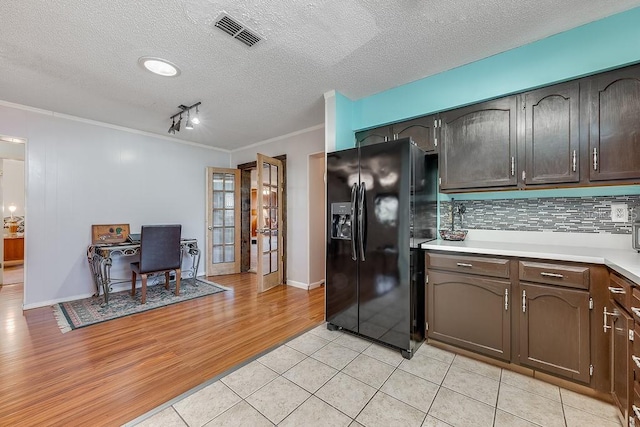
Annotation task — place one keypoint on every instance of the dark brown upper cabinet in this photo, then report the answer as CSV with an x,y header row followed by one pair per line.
x,y
479,146
423,131
374,136
614,122
550,122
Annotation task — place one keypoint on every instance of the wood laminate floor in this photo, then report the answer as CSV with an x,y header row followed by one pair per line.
x,y
110,373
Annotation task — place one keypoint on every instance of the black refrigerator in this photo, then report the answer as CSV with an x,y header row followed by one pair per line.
x,y
381,204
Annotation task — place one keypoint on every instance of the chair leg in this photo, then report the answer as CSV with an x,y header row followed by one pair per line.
x,y
178,281
144,289
166,280
133,283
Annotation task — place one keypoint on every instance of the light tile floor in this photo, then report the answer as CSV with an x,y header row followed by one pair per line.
x,y
325,378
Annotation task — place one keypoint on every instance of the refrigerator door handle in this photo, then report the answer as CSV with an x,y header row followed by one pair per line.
x,y
361,219
354,192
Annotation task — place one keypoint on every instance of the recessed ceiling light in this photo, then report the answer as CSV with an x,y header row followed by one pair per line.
x,y
159,66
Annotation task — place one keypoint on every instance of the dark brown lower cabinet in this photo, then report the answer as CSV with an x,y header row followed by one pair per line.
x,y
471,312
621,348
554,330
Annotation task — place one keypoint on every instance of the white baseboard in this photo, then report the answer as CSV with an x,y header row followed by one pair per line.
x,y
304,285
316,284
54,301
297,284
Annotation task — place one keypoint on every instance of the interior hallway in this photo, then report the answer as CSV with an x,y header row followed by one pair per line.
x,y
111,373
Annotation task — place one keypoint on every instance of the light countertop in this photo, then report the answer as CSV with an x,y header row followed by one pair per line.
x,y
552,246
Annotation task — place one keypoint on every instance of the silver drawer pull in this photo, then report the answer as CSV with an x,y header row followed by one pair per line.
x,y
636,360
614,290
556,275
636,410
463,264
636,311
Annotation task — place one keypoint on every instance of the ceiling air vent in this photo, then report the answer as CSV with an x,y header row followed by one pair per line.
x,y
237,30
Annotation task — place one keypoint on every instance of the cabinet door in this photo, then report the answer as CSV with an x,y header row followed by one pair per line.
x,y
422,131
614,137
554,330
471,312
552,139
479,146
373,136
621,374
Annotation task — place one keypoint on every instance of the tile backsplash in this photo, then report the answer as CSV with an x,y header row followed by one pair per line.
x,y
590,214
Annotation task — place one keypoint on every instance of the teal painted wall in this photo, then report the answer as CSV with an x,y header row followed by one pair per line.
x,y
605,44
608,43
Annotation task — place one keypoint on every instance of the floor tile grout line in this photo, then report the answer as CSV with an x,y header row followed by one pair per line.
x,y
495,412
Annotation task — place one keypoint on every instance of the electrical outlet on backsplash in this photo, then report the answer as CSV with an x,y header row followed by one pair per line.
x,y
591,214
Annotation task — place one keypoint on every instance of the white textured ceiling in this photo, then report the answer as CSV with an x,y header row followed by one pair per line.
x,y
80,57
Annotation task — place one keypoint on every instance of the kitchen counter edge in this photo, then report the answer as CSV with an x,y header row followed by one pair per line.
x,y
624,261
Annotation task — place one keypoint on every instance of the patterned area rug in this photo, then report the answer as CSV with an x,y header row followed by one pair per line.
x,y
89,311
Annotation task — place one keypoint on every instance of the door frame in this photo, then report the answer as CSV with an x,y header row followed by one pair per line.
x,y
245,214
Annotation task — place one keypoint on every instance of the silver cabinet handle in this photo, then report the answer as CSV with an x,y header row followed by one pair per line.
x,y
524,301
618,291
636,360
464,264
354,191
574,161
556,275
209,228
506,300
636,311
636,410
361,219
595,159
513,166
604,324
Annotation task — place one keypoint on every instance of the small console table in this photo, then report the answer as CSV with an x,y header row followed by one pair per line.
x,y
100,260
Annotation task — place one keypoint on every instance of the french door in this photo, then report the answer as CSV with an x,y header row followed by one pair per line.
x,y
269,230
223,221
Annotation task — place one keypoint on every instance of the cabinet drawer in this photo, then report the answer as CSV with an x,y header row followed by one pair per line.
x,y
555,274
620,291
494,267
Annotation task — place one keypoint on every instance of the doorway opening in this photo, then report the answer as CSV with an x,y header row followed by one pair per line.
x,y
12,198
249,216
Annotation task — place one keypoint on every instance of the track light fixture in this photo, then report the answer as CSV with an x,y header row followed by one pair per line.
x,y
175,125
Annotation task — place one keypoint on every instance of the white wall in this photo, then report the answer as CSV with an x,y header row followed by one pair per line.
x,y
297,147
13,186
317,219
80,173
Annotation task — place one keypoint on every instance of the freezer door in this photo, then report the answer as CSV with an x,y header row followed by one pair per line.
x,y
384,288
341,283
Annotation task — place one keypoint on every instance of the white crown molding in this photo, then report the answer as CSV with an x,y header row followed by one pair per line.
x,y
278,138
106,125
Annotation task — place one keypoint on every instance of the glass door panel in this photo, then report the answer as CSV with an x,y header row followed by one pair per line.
x,y
270,180
223,219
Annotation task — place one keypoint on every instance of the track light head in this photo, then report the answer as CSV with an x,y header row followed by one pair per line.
x,y
196,117
189,124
